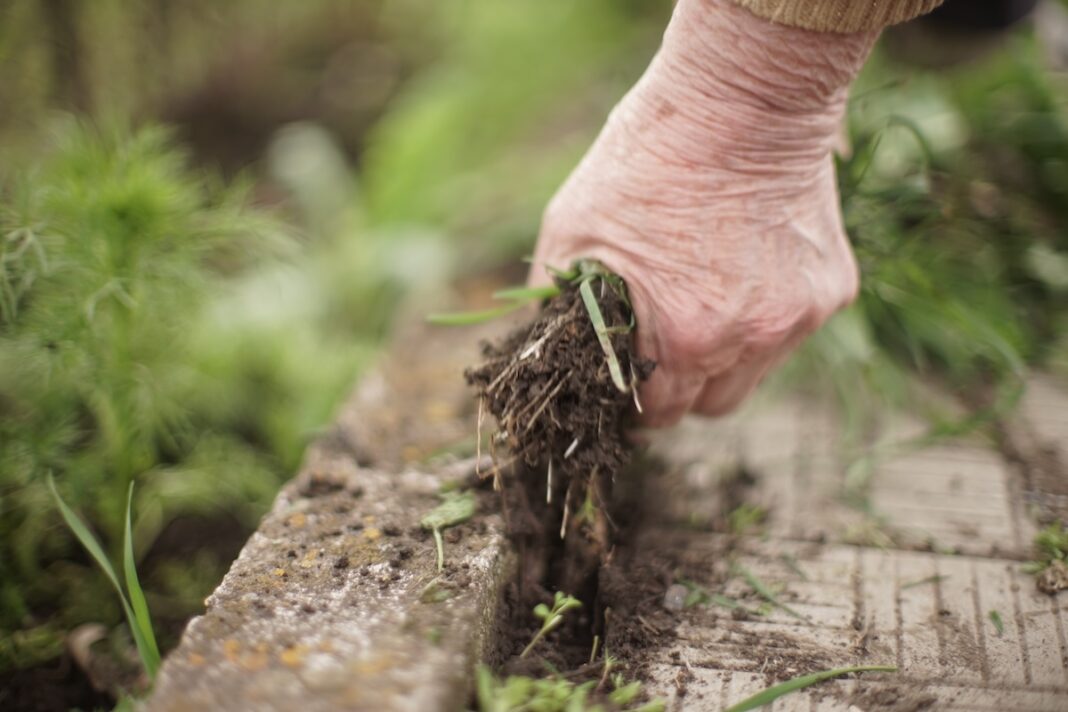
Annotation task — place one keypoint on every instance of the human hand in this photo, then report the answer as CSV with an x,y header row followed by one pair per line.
x,y
711,191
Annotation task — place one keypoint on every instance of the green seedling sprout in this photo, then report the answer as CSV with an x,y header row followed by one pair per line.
x,y
551,618
766,697
520,693
135,606
456,508
995,618
623,692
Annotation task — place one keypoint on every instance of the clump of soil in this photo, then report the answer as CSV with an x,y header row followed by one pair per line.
x,y
892,699
561,437
1054,578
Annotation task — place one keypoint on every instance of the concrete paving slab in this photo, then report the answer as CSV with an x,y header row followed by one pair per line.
x,y
956,531
910,580
336,603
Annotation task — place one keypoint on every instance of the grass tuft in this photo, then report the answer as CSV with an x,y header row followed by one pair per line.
x,y
766,697
137,615
1050,544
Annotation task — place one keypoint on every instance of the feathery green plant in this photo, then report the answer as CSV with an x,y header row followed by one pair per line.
x,y
111,250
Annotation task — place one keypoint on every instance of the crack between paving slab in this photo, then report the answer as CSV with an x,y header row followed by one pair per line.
x,y
859,622
1039,467
979,626
940,628
1025,658
899,633
1054,606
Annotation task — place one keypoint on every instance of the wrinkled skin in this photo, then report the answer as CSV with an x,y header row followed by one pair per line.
x,y
711,190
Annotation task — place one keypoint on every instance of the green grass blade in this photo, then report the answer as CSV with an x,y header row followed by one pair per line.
x,y
723,601
766,697
923,582
527,294
472,317
143,619
995,618
594,310
761,588
87,540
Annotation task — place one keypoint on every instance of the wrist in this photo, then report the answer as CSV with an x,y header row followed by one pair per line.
x,y
728,83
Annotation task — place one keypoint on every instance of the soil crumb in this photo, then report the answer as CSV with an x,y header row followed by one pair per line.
x,y
562,418
892,699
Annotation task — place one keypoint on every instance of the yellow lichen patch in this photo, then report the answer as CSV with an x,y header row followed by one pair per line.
x,y
273,581
361,550
231,649
368,520
372,534
310,559
293,656
256,660
297,520
196,659
374,665
411,454
326,646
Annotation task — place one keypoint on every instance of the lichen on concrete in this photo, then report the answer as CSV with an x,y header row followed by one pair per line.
x,y
336,601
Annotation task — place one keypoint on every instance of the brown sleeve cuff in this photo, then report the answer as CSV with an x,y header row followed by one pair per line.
x,y
839,15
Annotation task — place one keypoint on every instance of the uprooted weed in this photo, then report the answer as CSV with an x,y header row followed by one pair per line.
x,y
562,390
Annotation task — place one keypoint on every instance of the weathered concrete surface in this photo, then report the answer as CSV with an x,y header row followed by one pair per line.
x,y
336,602
909,580
331,605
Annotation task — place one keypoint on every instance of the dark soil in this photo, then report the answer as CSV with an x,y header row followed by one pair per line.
x,y
562,435
561,447
56,687
893,699
61,685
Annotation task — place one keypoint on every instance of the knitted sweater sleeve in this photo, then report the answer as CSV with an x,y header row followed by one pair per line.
x,y
839,15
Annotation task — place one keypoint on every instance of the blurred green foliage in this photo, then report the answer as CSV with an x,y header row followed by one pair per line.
x,y
160,325
109,249
954,199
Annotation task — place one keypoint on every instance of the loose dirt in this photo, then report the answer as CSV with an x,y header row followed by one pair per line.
x,y
562,433
560,448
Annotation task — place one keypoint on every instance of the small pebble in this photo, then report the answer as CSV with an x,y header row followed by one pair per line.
x,y
675,597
